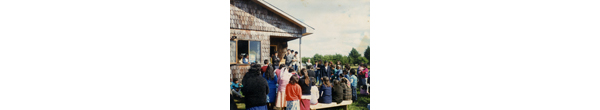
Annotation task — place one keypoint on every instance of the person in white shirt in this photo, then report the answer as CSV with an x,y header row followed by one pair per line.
x,y
308,63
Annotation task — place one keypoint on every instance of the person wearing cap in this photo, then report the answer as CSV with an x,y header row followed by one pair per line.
x,y
295,60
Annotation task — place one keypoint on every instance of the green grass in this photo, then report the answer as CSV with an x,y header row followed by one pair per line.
x,y
360,104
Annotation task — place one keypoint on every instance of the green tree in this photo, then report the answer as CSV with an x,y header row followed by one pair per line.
x,y
354,56
363,59
317,57
368,53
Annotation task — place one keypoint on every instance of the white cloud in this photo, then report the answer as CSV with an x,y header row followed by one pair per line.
x,y
339,25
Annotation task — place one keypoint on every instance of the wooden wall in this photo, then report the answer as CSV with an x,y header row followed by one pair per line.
x,y
250,21
247,15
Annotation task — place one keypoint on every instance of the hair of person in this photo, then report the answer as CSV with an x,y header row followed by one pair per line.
x,y
353,71
266,62
269,73
336,82
254,70
344,80
309,67
313,80
235,79
326,82
291,70
292,50
293,80
282,66
306,77
296,52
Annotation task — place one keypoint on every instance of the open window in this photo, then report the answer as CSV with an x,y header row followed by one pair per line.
x,y
242,49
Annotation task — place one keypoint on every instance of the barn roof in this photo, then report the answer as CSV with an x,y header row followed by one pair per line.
x,y
306,29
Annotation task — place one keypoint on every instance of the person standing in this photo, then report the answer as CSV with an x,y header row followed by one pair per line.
x,y
289,58
364,74
271,78
283,81
353,83
275,60
308,63
293,94
295,61
255,89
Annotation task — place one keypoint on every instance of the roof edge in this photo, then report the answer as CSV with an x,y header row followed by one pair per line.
x,y
306,29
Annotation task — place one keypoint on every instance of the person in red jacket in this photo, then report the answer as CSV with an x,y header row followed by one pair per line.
x,y
293,93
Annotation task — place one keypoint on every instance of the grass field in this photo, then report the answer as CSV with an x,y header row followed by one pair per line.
x,y
360,104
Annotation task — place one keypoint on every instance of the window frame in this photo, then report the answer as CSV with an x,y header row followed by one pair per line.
x,y
237,52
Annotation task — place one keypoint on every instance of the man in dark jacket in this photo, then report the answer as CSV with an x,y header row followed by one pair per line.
x,y
275,60
255,89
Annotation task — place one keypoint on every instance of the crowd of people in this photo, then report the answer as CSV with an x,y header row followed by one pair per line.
x,y
279,86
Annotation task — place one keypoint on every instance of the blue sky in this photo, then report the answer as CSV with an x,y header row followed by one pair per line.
x,y
339,25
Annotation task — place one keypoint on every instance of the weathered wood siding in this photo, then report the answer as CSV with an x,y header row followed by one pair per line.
x,y
247,15
250,21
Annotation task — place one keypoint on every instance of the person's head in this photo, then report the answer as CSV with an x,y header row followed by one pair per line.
x,y
291,51
291,70
353,72
293,80
254,69
309,67
308,61
339,67
282,66
326,82
344,72
235,80
336,82
245,56
339,62
344,80
347,66
326,64
313,80
275,54
295,53
266,62
269,73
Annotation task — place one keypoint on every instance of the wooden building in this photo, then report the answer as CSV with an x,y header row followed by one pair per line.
x,y
260,29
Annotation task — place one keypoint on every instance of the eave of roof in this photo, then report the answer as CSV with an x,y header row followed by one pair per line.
x,y
306,29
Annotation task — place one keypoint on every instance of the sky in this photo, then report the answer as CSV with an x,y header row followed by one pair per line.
x,y
340,25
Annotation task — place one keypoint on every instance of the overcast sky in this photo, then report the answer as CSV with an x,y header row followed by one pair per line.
x,y
339,25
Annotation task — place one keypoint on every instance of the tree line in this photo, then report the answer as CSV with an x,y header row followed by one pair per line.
x,y
353,57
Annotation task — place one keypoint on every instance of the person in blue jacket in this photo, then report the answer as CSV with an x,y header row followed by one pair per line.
x,y
271,78
325,91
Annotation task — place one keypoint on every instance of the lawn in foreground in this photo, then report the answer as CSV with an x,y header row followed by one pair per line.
x,y
360,104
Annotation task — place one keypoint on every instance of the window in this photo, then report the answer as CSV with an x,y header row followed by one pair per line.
x,y
242,49
232,52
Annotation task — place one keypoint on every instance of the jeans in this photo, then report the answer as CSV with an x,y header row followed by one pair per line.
x,y
354,97
296,67
236,93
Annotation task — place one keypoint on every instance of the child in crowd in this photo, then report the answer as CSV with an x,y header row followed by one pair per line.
x,y
325,91
353,83
314,92
293,94
347,89
235,88
338,92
